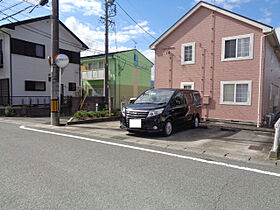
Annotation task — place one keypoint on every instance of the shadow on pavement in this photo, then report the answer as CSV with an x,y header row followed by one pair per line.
x,y
188,134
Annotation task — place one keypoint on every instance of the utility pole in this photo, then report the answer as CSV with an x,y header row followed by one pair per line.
x,y
106,81
54,67
109,5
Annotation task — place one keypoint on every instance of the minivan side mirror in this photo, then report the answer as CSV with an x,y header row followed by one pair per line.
x,y
132,100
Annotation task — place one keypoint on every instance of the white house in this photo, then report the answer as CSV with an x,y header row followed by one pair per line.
x,y
24,68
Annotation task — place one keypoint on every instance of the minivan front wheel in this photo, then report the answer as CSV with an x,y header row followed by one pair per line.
x,y
196,121
168,128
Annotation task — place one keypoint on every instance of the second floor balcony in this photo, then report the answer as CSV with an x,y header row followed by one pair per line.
x,y
93,74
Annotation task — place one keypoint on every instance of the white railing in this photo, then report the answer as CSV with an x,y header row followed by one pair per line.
x,y
93,74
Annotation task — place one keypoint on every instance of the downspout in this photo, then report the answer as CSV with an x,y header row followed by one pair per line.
x,y
170,69
115,84
212,67
11,75
260,77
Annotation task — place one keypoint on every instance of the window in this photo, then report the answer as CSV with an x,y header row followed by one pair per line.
x,y
35,86
39,51
74,57
179,99
196,98
1,53
101,65
96,65
25,48
237,47
187,85
72,86
188,53
92,66
236,92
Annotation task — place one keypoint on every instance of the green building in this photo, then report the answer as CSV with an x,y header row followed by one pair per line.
x,y
130,75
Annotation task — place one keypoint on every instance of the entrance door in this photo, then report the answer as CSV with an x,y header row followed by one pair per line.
x,y
4,91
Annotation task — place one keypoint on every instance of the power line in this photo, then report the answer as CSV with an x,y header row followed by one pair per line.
x,y
23,14
143,28
135,21
11,6
44,34
15,13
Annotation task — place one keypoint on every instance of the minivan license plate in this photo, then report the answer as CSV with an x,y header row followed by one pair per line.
x,y
135,123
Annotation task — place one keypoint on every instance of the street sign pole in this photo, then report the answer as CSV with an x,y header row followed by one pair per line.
x,y
61,61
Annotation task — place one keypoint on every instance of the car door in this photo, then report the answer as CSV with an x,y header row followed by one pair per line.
x,y
190,107
197,103
178,108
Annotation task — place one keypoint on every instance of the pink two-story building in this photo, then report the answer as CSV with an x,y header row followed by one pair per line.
x,y
232,60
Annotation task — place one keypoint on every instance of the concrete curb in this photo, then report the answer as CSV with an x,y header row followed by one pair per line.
x,y
101,119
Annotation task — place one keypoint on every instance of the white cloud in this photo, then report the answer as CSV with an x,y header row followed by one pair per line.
x,y
227,4
135,29
265,12
84,7
278,32
266,20
150,54
94,37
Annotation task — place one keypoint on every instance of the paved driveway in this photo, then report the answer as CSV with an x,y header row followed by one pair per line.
x,y
241,145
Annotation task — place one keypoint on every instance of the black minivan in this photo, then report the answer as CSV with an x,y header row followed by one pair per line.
x,y
159,110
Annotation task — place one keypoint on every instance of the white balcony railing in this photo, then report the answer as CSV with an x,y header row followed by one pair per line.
x,y
93,74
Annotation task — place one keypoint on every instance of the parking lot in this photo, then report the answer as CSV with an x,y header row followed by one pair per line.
x,y
229,143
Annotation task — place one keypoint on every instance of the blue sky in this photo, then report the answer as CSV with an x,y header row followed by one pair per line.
x,y
155,16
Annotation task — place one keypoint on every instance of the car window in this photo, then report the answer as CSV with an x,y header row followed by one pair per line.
x,y
178,99
155,96
189,98
196,97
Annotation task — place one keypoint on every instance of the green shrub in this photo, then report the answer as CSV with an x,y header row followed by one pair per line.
x,y
9,111
92,114
81,115
104,113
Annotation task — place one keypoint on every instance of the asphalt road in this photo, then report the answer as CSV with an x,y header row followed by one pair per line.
x,y
46,171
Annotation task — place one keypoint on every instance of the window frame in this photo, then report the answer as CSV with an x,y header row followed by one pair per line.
x,y
251,47
26,48
183,62
70,86
32,81
249,101
187,83
173,99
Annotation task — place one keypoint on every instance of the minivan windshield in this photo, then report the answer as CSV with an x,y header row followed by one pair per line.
x,y
155,96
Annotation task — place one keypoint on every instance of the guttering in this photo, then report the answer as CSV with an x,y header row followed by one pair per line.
x,y
260,75
11,75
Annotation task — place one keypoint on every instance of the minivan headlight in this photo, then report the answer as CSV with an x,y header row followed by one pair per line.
x,y
123,111
155,112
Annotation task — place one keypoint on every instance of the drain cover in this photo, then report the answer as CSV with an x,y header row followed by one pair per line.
x,y
254,147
